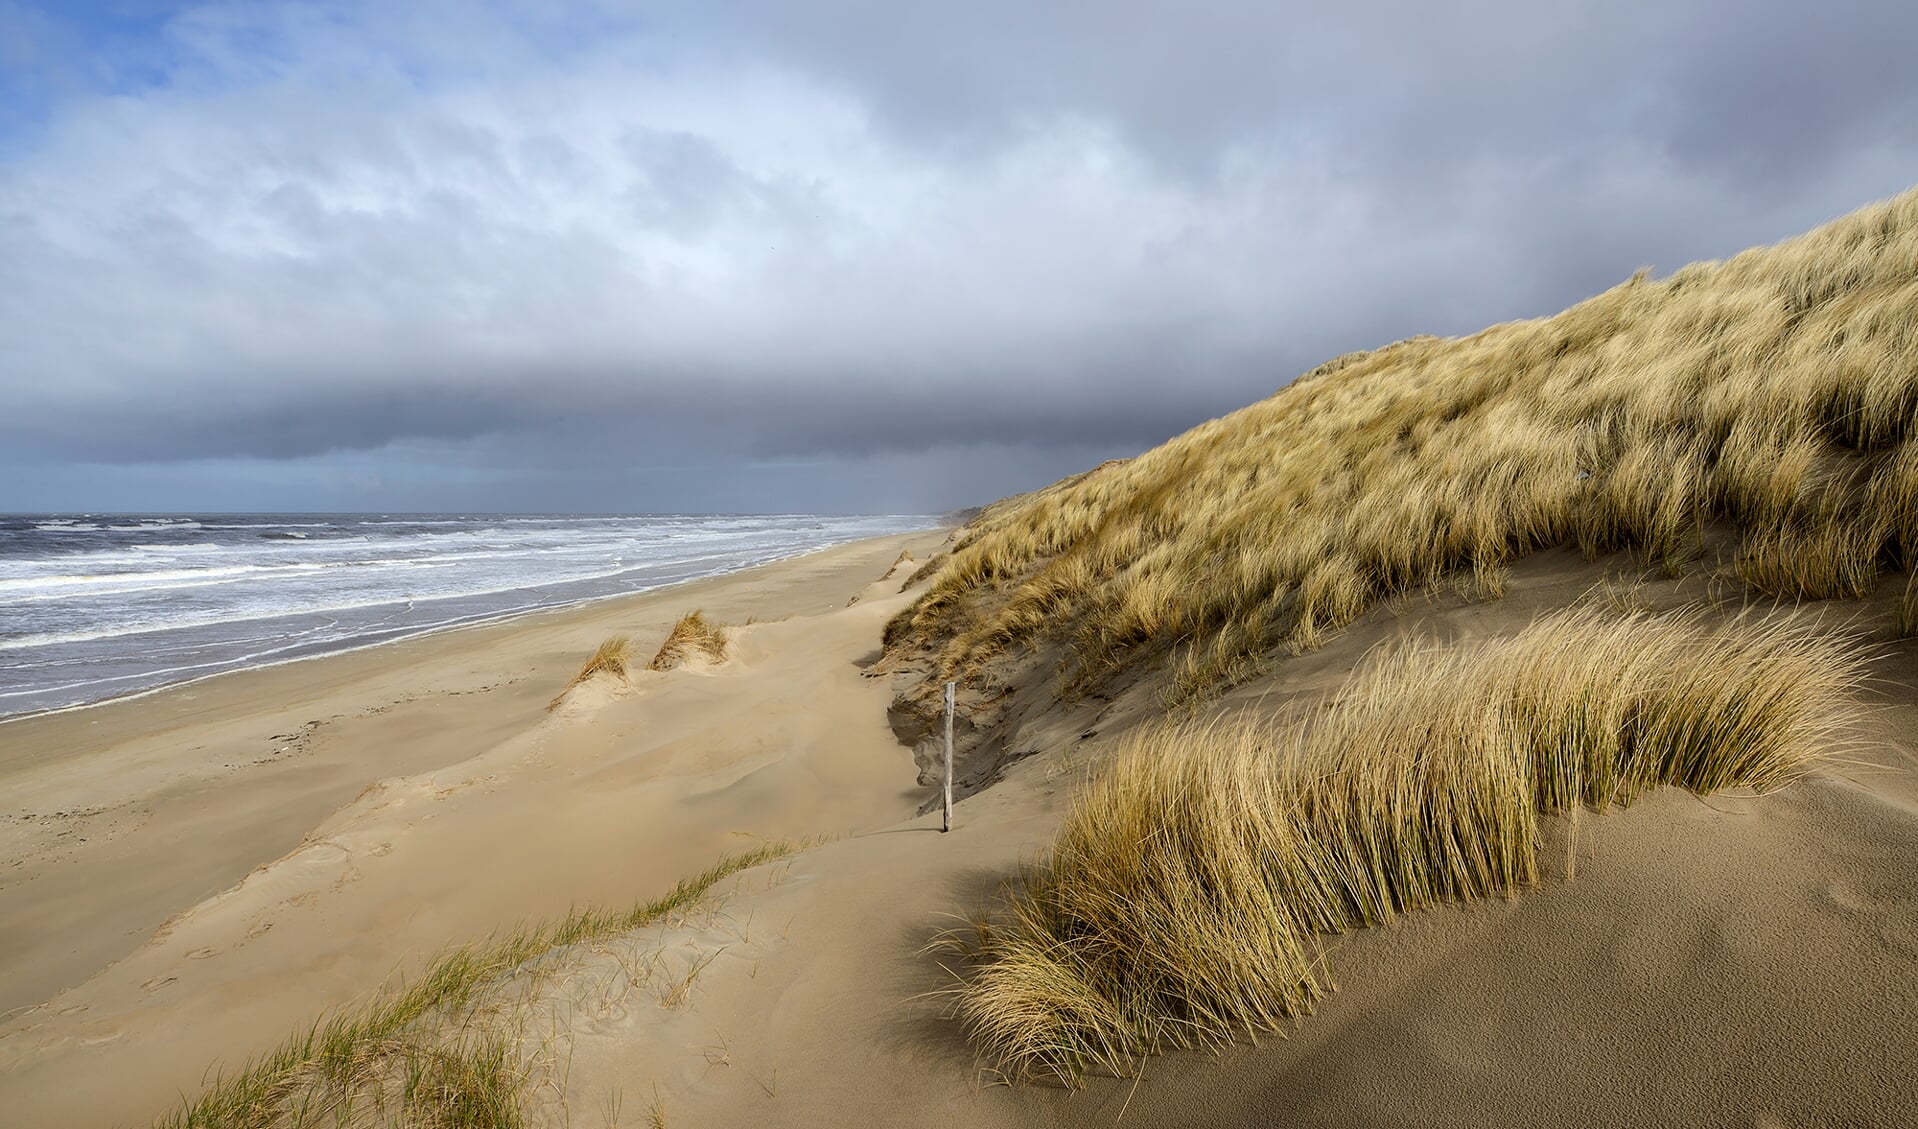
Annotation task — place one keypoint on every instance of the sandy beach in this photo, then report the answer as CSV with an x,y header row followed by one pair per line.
x,y
193,873
1740,960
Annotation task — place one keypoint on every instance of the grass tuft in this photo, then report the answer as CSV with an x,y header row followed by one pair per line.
x,y
693,636
1183,902
614,657
401,1059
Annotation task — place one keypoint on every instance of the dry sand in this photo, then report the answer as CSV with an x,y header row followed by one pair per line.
x,y
297,834
1736,961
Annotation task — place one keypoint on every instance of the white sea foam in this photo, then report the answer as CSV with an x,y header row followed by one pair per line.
x,y
105,605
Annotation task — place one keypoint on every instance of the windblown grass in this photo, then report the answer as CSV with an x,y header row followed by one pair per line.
x,y
1772,396
693,635
614,657
398,1061
1183,900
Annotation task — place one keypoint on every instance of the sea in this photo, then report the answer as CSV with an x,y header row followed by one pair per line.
x,y
100,606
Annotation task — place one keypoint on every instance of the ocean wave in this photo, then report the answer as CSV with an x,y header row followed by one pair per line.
x,y
188,547
31,584
369,601
148,526
138,611
69,586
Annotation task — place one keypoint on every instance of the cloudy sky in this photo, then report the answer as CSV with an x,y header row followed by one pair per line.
x,y
842,255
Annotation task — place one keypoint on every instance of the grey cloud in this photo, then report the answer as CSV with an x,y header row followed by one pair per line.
x,y
684,180
849,235
1385,86
1130,402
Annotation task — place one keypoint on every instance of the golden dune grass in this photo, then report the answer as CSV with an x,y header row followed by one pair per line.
x,y
1771,395
1182,902
693,635
410,1058
614,657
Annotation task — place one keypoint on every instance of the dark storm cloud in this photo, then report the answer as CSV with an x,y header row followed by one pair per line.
x,y
857,233
1762,88
570,415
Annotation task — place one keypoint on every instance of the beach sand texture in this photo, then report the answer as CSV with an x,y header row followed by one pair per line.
x,y
194,873
1735,960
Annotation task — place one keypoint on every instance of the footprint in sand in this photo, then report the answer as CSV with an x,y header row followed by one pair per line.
x,y
1842,895
604,1017
202,954
323,853
158,982
76,1009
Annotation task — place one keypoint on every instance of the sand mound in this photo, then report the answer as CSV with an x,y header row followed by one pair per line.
x,y
611,663
695,639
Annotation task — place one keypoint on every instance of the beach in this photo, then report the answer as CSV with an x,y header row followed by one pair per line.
x,y
193,873
588,566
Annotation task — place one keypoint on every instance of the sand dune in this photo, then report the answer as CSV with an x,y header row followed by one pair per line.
x,y
1770,983
1736,960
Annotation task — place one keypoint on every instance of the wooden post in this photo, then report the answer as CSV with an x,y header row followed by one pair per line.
x,y
947,825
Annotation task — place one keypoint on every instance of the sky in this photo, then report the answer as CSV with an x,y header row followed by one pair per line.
x,y
833,255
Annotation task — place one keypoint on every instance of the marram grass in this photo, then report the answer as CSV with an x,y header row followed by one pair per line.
x,y
392,1062
613,657
1772,396
693,635
1183,901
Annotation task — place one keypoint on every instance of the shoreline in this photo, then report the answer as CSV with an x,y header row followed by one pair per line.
x,y
485,619
122,816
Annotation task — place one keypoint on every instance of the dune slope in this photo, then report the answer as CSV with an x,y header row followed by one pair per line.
x,y
1753,416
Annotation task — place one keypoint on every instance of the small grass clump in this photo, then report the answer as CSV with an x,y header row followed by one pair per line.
x,y
1183,901
403,1059
614,658
693,636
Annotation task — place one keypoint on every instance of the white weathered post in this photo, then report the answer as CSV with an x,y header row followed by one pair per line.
x,y
947,825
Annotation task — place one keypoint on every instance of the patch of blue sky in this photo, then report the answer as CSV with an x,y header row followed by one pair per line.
x,y
56,51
